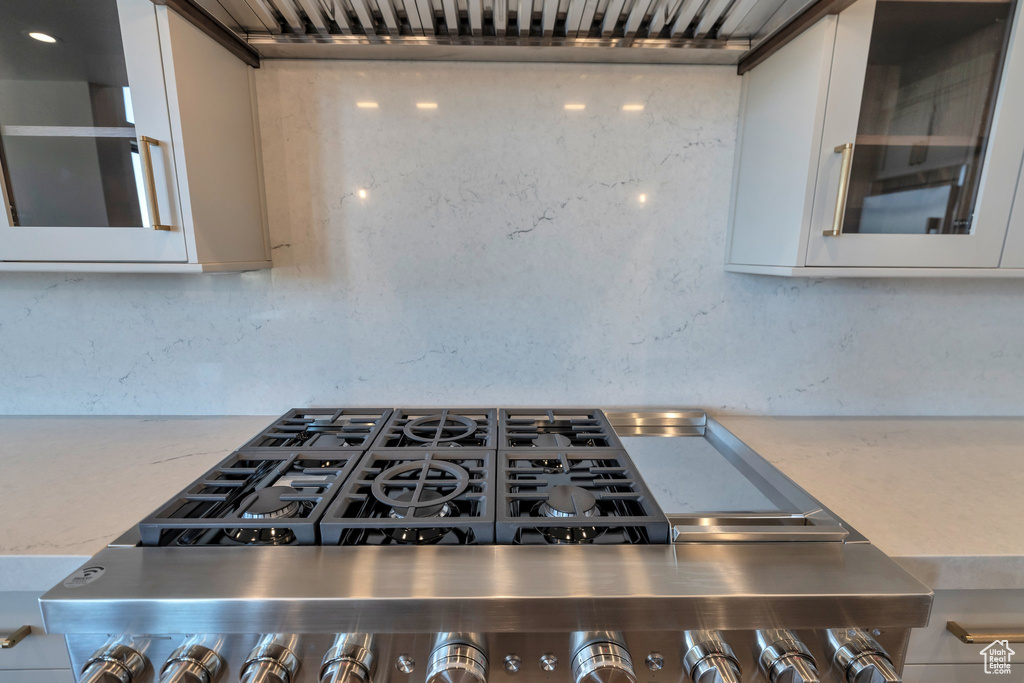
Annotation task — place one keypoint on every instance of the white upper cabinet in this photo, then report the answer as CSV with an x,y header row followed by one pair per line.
x,y
885,140
128,144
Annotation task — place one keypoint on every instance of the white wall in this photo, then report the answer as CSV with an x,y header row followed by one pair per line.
x,y
502,256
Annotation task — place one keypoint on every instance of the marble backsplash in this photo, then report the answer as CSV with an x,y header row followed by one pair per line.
x,y
465,237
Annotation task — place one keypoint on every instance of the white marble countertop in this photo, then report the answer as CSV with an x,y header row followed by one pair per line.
x,y
943,496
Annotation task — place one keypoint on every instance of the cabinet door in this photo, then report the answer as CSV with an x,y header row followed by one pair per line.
x,y
72,116
925,92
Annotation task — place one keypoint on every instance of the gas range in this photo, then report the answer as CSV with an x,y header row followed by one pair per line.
x,y
466,545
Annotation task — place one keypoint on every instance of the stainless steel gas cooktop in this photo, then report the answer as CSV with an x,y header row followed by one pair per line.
x,y
473,544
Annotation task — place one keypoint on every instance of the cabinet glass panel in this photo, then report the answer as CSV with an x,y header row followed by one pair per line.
x,y
67,136
932,77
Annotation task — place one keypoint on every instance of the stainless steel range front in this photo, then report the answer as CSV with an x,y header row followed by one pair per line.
x,y
474,545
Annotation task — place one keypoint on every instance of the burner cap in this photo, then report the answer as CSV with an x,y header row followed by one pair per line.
x,y
267,503
552,441
441,509
569,501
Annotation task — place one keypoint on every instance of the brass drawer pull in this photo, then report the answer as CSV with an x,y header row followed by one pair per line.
x,y
845,166
147,169
7,642
984,635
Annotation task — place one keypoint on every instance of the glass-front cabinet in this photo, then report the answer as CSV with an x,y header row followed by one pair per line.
x,y
84,132
914,138
128,142
917,127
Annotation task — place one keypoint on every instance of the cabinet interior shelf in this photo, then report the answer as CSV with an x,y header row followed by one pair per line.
x,y
69,131
918,140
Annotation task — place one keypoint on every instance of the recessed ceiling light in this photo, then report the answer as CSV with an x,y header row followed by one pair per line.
x,y
426,105
575,107
42,37
367,105
632,107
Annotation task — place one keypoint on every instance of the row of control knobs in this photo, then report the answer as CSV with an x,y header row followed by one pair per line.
x,y
708,658
599,657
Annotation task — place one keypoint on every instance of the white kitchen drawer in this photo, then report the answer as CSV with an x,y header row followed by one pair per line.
x,y
951,673
37,676
980,609
37,650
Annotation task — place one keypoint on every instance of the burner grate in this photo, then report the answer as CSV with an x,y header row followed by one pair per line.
x,y
407,497
556,428
437,428
262,498
323,428
575,496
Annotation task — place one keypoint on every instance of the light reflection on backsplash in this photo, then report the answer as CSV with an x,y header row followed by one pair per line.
x,y
502,250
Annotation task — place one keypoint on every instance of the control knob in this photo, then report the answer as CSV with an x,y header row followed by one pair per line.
x,y
601,657
192,662
784,658
350,660
114,663
859,658
454,661
271,661
709,659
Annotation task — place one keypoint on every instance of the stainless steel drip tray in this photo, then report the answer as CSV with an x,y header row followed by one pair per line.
x,y
714,488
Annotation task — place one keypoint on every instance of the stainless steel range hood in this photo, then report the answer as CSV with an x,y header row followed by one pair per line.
x,y
629,31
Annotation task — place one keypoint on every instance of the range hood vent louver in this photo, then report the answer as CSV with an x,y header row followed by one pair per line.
x,y
674,31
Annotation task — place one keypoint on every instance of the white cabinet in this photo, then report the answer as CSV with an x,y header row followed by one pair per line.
x,y
885,141
937,656
38,657
128,144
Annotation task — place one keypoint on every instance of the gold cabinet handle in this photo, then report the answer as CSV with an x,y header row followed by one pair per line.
x,y
147,169
7,642
984,635
845,164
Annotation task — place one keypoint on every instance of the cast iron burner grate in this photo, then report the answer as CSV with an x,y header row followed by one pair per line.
x,y
556,429
252,498
439,428
427,497
323,428
575,497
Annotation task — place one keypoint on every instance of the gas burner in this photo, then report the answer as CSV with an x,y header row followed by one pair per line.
x,y
575,496
270,503
261,536
445,428
556,429
327,428
569,501
414,497
553,441
434,509
437,509
264,497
